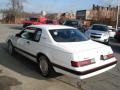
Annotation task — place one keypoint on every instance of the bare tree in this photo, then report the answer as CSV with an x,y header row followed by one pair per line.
x,y
115,3
16,5
16,10
109,2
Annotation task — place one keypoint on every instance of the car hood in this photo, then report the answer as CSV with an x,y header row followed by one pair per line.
x,y
76,47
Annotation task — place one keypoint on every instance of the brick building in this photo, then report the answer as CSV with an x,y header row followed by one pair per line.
x,y
98,14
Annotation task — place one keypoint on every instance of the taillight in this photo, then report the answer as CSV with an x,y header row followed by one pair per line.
x,y
106,57
82,63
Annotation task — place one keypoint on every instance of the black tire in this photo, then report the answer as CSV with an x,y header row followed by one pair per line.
x,y
45,66
11,49
108,42
118,40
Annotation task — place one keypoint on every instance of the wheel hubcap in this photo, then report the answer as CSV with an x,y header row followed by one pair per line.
x,y
43,65
10,48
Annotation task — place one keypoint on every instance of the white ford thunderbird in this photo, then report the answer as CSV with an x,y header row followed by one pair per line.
x,y
63,49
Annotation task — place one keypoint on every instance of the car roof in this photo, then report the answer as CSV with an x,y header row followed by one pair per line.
x,y
50,27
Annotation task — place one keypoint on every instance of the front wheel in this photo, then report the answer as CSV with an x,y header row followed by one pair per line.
x,y
107,43
45,66
11,48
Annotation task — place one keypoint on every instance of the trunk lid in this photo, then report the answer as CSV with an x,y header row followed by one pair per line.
x,y
76,47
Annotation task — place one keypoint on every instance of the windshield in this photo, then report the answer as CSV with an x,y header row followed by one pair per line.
x,y
99,28
67,35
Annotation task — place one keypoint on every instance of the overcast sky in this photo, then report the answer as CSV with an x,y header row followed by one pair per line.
x,y
54,5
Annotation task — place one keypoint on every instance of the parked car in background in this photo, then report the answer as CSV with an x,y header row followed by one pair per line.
x,y
117,35
63,49
54,22
34,21
98,32
73,23
112,31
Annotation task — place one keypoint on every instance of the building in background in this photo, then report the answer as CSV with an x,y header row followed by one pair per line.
x,y
55,16
98,14
85,16
1,16
66,16
70,15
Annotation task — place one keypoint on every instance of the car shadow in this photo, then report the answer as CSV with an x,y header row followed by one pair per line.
x,y
115,45
22,65
16,27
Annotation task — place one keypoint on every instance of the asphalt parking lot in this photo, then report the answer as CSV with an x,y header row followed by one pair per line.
x,y
19,73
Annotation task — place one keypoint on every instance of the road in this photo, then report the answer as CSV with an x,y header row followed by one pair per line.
x,y
19,73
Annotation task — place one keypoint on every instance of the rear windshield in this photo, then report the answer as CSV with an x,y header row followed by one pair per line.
x,y
49,22
33,19
67,35
71,23
99,28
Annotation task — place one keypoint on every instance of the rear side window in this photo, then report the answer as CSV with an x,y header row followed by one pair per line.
x,y
28,35
32,33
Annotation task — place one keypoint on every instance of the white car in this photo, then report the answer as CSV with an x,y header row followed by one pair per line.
x,y
112,31
98,32
63,49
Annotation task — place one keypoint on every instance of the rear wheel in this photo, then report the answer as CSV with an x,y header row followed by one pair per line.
x,y
45,66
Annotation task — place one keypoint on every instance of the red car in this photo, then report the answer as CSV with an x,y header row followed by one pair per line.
x,y
54,22
117,36
34,21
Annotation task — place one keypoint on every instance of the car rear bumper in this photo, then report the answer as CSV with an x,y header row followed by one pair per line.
x,y
87,73
96,72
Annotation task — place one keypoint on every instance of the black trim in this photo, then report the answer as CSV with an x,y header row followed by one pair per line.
x,y
26,52
85,72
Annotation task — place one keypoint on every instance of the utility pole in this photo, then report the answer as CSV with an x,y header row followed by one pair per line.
x,y
117,21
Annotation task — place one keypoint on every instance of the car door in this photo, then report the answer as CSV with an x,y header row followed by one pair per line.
x,y
31,43
34,45
24,39
18,41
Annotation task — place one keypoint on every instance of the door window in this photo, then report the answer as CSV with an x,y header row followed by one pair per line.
x,y
28,34
31,34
